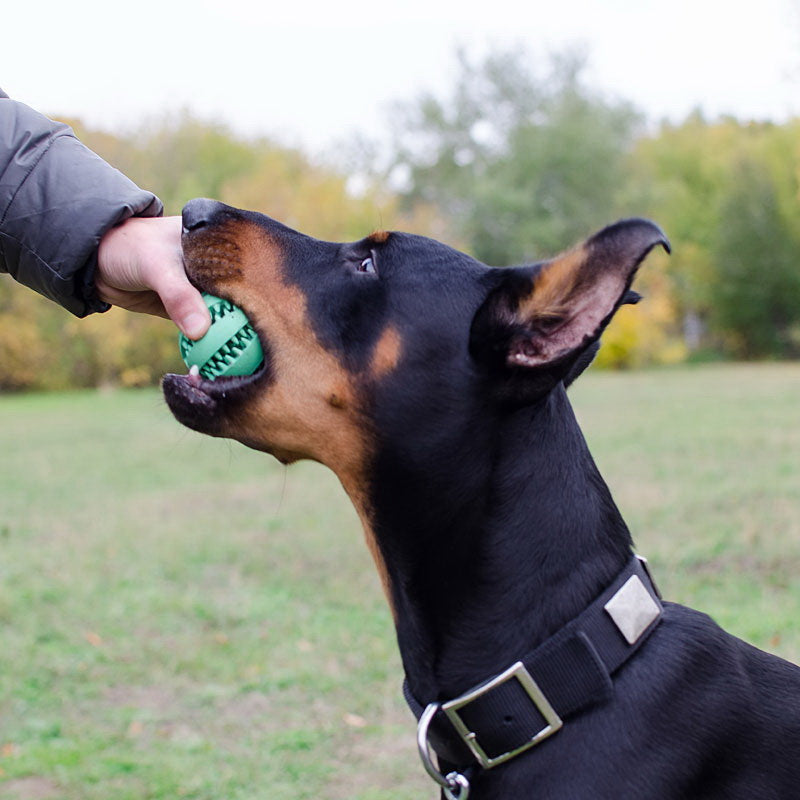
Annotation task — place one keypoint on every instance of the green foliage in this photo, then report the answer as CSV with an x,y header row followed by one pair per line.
x,y
513,164
728,194
757,303
177,157
522,165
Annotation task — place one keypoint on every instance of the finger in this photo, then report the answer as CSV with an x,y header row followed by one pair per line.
x,y
143,302
183,303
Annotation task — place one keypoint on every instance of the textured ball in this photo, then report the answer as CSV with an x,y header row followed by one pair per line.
x,y
231,346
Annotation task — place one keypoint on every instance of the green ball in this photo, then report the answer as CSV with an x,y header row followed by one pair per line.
x,y
231,346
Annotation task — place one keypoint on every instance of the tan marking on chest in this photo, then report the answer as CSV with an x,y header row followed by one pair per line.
x,y
311,409
360,501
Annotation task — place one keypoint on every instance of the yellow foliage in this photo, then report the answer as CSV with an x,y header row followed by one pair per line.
x,y
25,354
646,333
286,186
678,172
43,347
22,352
135,377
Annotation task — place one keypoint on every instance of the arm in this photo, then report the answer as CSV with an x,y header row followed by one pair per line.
x,y
61,209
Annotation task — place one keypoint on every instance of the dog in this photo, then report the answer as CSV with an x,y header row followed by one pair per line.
x,y
538,655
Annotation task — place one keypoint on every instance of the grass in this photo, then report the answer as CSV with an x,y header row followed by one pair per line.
x,y
183,618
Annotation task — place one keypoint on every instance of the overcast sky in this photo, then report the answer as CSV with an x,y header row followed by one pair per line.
x,y
313,73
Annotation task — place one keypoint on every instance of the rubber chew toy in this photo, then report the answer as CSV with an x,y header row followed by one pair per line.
x,y
231,346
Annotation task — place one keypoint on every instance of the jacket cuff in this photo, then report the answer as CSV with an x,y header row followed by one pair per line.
x,y
84,278
67,200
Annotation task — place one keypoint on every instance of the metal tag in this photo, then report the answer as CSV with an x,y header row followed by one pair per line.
x,y
633,609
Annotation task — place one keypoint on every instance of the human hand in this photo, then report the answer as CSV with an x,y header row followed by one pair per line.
x,y
140,268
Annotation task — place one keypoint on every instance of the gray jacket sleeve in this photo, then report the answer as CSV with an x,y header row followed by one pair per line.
x,y
57,199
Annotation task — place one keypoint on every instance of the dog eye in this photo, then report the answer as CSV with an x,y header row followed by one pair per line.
x,y
367,265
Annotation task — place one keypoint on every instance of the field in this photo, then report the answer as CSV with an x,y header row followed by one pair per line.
x,y
184,618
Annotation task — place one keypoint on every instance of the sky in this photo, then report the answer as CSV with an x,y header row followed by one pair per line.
x,y
316,73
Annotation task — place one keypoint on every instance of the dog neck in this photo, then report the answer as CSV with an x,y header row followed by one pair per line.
x,y
491,554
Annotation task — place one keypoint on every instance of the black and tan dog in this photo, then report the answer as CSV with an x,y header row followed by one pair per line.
x,y
434,387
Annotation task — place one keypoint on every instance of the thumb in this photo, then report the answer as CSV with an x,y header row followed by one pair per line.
x,y
183,303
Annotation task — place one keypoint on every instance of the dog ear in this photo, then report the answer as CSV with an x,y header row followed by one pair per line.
x,y
540,323
584,360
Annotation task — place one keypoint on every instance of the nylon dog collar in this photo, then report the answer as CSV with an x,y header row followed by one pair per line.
x,y
526,703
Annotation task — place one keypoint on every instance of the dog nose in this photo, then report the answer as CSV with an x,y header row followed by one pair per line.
x,y
199,212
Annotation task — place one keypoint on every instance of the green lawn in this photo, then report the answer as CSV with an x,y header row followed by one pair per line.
x,y
183,618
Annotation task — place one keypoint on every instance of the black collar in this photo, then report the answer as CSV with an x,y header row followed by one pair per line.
x,y
569,672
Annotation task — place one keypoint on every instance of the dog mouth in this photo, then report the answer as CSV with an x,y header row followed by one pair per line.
x,y
204,391
204,401
203,404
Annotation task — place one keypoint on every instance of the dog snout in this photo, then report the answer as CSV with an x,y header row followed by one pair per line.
x,y
199,212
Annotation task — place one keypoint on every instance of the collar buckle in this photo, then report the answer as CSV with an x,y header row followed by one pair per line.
x,y
520,673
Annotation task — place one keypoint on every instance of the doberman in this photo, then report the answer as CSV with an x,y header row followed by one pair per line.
x,y
538,654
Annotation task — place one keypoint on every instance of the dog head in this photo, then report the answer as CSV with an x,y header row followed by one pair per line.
x,y
395,340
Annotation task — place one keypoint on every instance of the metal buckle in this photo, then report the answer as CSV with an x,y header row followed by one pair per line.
x,y
533,691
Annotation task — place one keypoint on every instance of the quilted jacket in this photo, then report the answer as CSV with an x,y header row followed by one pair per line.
x,y
57,199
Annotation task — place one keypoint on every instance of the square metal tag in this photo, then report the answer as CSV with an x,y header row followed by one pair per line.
x,y
633,609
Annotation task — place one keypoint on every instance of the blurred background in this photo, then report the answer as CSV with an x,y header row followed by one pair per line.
x,y
181,617
510,133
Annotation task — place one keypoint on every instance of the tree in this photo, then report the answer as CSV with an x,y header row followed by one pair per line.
x,y
521,165
757,291
179,157
728,194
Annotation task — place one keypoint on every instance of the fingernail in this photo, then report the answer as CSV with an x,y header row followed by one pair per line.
x,y
194,324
